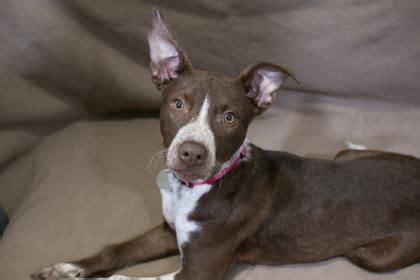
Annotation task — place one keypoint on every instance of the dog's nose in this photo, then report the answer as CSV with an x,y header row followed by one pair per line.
x,y
192,153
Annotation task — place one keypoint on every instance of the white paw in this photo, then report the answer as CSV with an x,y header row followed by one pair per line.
x,y
354,146
59,271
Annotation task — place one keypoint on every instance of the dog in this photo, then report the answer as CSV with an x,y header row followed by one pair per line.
x,y
227,201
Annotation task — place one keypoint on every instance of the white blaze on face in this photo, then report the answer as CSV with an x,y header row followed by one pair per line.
x,y
197,130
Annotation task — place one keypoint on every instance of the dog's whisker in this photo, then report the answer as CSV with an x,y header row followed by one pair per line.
x,y
220,185
159,155
160,158
152,159
217,166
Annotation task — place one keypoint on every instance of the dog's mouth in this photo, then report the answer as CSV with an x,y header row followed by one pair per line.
x,y
191,174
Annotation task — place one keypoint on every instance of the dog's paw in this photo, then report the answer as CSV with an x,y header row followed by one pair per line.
x,y
59,271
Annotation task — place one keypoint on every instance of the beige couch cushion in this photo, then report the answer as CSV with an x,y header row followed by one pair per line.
x,y
90,186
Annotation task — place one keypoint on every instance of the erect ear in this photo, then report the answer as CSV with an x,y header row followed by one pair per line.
x,y
168,60
261,81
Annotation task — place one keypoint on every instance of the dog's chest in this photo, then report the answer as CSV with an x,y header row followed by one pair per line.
x,y
178,202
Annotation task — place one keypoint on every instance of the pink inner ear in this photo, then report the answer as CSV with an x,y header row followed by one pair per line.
x,y
166,69
165,58
266,83
160,47
165,55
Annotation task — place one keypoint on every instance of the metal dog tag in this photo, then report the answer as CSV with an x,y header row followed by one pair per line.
x,y
162,180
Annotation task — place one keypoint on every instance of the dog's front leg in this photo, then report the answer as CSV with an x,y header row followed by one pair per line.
x,y
209,263
206,262
200,262
157,243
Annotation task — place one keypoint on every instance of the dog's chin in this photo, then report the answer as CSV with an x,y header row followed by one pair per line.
x,y
188,175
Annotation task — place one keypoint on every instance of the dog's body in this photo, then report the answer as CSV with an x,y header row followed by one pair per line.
x,y
227,201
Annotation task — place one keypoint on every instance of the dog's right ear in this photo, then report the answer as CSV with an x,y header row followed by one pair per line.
x,y
168,60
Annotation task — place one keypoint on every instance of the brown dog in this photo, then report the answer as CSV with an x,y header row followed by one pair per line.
x,y
226,201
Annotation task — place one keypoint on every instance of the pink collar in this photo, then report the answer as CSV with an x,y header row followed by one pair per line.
x,y
242,154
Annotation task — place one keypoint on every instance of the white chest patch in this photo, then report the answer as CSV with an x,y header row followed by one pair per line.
x,y
178,202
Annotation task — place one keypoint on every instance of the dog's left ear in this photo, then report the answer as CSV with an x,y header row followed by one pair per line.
x,y
261,81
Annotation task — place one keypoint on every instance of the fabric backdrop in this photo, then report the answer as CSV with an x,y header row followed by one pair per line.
x,y
62,60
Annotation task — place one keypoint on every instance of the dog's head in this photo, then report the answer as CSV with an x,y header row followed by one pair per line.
x,y
204,116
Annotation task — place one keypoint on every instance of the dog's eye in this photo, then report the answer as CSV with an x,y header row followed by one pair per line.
x,y
229,117
179,104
